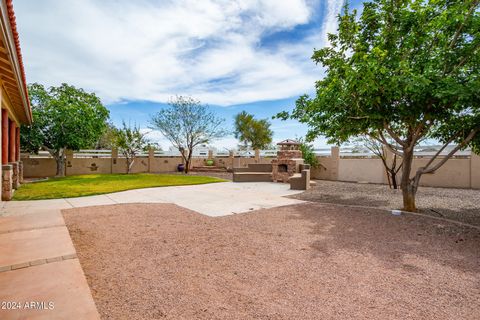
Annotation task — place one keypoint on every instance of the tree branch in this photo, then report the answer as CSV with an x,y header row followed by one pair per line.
x,y
394,135
420,130
390,147
399,167
359,118
459,30
465,59
469,138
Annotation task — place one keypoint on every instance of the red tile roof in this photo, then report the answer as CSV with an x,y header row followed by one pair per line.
x,y
13,26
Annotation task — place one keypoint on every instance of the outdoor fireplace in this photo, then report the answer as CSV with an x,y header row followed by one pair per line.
x,y
289,158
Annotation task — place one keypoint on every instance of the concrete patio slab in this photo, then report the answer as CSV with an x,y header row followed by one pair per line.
x,y
50,203
20,249
43,219
20,211
90,201
55,290
215,199
131,196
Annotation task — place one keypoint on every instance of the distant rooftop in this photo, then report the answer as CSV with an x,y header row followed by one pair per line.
x,y
289,142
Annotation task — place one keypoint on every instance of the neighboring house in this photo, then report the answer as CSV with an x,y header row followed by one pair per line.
x,y
202,150
199,151
14,100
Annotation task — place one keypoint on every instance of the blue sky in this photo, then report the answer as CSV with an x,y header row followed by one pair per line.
x,y
232,55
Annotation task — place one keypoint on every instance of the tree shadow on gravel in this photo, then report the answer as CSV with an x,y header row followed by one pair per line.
x,y
437,202
391,238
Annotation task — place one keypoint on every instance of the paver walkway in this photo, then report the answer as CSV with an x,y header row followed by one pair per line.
x,y
40,275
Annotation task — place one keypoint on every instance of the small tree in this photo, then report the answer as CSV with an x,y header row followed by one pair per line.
x,y
308,153
106,138
129,141
64,118
187,123
392,167
252,132
405,70
152,145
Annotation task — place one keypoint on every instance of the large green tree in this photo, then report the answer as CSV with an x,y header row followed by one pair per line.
x,y
187,123
404,70
253,133
64,118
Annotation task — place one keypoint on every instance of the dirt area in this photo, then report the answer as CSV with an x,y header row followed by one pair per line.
x,y
456,204
308,261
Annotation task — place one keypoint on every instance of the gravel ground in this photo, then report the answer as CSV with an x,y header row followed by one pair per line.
x,y
308,261
457,204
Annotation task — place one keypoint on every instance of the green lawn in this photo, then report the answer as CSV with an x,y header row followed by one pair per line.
x,y
86,185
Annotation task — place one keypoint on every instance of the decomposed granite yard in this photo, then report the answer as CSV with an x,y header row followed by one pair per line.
x,y
303,261
462,205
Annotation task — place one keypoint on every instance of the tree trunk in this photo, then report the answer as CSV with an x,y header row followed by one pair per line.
x,y
394,171
187,164
129,164
409,199
60,165
387,171
408,187
393,177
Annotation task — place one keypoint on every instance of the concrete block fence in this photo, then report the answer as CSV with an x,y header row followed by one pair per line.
x,y
459,172
101,163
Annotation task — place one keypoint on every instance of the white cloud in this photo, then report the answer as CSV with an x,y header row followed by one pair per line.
x,y
156,137
149,50
330,24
